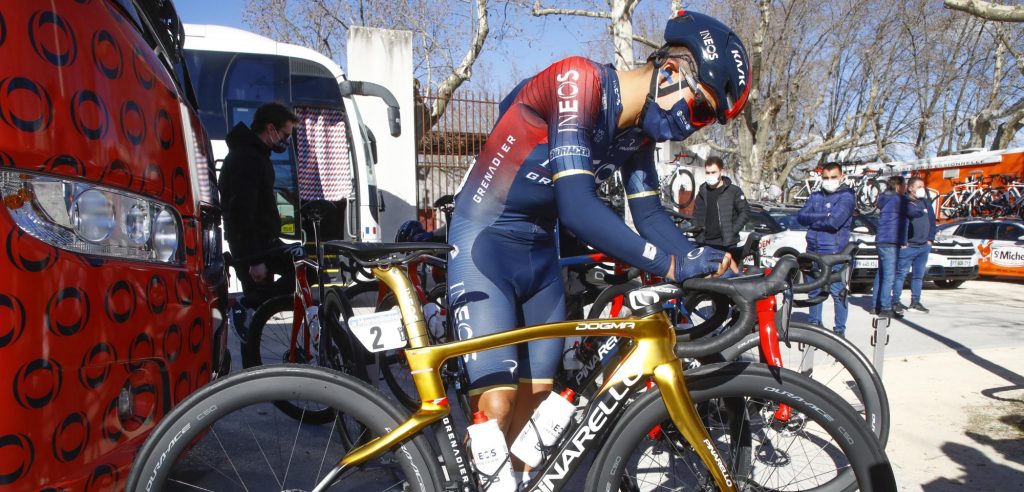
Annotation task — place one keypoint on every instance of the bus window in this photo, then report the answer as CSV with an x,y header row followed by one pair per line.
x,y
207,69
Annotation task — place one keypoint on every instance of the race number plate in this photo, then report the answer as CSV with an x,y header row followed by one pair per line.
x,y
379,331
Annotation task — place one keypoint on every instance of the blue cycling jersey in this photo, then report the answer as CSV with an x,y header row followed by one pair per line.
x,y
555,140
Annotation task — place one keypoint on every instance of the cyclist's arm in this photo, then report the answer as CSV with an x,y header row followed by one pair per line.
x,y
641,182
571,121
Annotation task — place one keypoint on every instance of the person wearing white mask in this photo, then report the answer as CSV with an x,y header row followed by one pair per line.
x,y
828,215
914,257
720,210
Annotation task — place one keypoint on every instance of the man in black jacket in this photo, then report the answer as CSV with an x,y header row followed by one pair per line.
x,y
252,223
720,210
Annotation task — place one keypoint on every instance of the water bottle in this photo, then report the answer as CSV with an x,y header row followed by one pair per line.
x,y
548,422
490,454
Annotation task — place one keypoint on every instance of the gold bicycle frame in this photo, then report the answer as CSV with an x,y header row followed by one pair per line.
x,y
652,355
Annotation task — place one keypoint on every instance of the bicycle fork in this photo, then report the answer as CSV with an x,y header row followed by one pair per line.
x,y
771,354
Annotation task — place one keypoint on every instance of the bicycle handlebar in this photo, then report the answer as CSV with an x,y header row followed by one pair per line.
x,y
825,264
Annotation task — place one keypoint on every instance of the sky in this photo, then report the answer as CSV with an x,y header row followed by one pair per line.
x,y
501,65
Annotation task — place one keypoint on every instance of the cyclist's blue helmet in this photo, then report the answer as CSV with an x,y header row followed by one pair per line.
x,y
722,62
409,231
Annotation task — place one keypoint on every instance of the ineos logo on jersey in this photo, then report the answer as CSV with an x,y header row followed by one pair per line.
x,y
738,58
568,105
624,325
710,50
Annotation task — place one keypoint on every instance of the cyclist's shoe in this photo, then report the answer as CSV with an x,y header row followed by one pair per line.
x,y
917,306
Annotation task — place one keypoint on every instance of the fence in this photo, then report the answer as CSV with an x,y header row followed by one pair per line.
x,y
447,150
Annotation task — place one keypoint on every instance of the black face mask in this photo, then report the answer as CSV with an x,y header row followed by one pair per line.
x,y
282,145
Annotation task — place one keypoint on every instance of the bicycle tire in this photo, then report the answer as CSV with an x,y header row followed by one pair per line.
x,y
184,438
867,197
839,351
761,387
682,179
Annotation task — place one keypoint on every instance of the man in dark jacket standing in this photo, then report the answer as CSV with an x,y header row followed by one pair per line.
x,y
920,235
828,214
893,220
720,210
252,223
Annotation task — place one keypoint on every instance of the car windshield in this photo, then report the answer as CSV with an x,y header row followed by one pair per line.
x,y
788,220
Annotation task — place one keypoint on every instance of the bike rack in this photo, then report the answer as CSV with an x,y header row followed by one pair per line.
x,y
881,326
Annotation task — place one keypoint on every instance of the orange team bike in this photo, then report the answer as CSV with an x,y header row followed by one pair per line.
x,y
223,437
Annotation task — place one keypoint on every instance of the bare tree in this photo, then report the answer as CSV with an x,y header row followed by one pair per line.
x,y
620,16
988,10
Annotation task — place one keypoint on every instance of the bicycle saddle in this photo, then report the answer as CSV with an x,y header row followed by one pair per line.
x,y
316,209
444,201
374,254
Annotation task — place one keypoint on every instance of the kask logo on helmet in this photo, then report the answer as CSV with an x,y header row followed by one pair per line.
x,y
738,58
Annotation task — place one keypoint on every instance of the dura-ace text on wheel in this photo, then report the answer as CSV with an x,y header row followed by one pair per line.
x,y
823,447
229,437
833,362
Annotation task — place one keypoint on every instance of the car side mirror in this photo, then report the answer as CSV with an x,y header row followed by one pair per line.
x,y
861,230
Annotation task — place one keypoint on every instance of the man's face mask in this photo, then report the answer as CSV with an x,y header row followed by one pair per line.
x,y
282,141
669,114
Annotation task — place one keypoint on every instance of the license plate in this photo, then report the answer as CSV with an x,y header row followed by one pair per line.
x,y
379,331
865,263
958,262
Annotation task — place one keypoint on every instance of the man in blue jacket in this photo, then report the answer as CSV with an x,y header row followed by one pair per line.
x,y
828,214
920,235
893,219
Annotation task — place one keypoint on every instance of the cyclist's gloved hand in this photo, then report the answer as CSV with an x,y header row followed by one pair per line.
x,y
697,263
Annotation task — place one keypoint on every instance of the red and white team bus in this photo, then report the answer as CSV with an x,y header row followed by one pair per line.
x,y
113,286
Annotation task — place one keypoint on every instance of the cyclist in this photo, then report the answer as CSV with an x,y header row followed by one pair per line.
x,y
559,134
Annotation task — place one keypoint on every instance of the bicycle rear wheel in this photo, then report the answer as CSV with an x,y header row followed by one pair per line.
x,y
835,363
824,447
226,437
682,188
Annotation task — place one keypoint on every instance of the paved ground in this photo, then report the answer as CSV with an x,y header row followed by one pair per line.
x,y
955,379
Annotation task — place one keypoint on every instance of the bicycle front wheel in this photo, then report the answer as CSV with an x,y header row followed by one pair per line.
x,y
227,437
833,362
823,447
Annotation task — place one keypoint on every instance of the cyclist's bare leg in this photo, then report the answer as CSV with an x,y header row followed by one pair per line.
x,y
497,402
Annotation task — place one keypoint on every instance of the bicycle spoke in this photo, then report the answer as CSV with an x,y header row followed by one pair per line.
x,y
264,454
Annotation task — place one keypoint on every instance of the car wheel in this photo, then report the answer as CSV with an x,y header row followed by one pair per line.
x,y
948,284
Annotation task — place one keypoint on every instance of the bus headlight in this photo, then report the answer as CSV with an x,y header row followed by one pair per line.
x,y
165,235
92,219
92,215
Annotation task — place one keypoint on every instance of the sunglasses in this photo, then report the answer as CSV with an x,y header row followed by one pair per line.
x,y
702,111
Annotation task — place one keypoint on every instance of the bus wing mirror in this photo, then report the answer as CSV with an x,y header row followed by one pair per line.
x,y
356,88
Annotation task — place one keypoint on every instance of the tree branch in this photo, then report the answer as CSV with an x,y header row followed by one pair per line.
x,y
988,10
539,11
646,41
463,72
